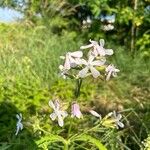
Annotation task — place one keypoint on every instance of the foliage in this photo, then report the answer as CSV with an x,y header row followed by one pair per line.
x,y
131,18
29,78
143,44
146,143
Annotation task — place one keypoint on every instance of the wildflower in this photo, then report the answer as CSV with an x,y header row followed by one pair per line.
x,y
94,113
117,118
71,59
19,124
57,113
111,70
75,111
90,66
112,120
98,49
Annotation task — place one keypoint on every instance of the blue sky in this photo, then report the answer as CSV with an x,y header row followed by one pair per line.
x,y
9,15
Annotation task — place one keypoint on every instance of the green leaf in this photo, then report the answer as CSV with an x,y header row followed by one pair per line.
x,y
51,138
92,140
5,147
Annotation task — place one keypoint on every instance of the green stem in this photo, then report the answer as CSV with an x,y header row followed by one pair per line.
x,y
66,146
85,132
70,126
77,94
78,87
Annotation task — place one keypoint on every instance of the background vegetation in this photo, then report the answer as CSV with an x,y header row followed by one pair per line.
x,y
29,76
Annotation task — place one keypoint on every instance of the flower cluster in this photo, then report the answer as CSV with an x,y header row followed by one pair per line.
x,y
80,64
110,120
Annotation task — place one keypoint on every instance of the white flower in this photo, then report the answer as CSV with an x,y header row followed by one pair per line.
x,y
111,70
75,111
98,49
19,124
117,118
57,113
94,113
71,59
89,65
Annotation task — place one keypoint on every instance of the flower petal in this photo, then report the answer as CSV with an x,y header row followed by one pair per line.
x,y
91,58
98,62
20,116
94,113
20,126
57,104
117,70
94,72
17,130
119,116
62,57
120,124
83,72
75,111
109,52
78,61
72,62
79,115
77,54
93,42
51,104
82,62
86,46
102,42
101,50
61,67
17,116
114,114
60,121
64,114
108,76
94,52
53,116
67,63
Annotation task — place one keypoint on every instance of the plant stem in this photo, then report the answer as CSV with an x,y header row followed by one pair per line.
x,y
78,87
70,126
66,146
77,94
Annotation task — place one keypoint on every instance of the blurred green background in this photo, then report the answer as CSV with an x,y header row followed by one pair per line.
x,y
29,58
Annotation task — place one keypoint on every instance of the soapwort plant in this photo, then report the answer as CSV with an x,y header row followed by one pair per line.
x,y
89,61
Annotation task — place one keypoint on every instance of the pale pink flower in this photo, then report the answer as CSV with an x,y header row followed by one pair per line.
x,y
98,49
71,59
111,71
94,113
89,66
75,111
57,112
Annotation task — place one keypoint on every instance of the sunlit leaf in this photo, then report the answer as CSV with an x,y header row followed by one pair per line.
x,y
88,138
